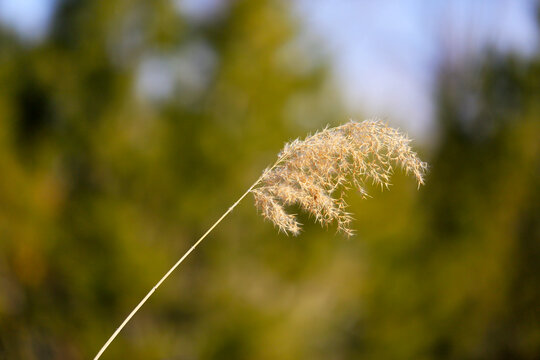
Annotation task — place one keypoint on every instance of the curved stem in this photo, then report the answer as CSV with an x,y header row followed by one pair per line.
x,y
141,303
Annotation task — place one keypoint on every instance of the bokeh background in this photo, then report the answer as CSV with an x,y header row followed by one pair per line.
x,y
128,127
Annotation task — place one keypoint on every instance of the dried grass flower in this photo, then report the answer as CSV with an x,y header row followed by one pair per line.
x,y
314,173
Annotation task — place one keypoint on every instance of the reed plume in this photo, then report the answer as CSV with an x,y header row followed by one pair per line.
x,y
314,173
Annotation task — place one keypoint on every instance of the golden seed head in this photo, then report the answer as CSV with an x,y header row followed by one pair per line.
x,y
313,173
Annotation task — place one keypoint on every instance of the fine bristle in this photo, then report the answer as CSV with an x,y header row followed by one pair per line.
x,y
314,172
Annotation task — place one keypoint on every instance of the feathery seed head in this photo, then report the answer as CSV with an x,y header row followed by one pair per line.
x,y
314,172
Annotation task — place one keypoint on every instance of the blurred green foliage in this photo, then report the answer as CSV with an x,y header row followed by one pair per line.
x,y
103,187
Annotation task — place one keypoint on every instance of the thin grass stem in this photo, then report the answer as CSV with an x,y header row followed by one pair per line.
x,y
141,303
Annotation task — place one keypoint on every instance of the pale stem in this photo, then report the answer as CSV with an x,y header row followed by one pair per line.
x,y
134,311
